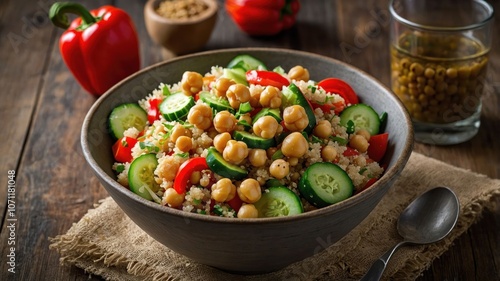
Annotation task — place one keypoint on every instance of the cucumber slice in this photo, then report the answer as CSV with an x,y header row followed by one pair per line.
x,y
126,116
293,96
324,183
253,141
217,103
246,62
363,116
176,106
278,201
220,166
238,75
141,176
274,112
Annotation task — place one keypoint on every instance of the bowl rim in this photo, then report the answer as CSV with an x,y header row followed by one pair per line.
x,y
349,202
150,12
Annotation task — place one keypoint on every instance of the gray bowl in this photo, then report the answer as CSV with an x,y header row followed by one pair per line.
x,y
246,245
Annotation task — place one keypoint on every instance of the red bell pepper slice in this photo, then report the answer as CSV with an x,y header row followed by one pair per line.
x,y
266,78
185,170
153,110
263,17
99,47
122,149
340,87
378,146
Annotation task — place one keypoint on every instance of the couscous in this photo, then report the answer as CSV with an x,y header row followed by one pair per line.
x,y
244,141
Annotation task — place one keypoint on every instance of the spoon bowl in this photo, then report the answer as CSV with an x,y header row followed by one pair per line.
x,y
428,219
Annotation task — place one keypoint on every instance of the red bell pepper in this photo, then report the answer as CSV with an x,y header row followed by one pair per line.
x,y
100,47
266,78
263,17
185,170
122,149
340,87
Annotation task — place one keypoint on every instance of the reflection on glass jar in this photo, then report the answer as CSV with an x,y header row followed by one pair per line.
x,y
439,78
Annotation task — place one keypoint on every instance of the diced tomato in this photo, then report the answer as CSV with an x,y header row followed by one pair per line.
x,y
369,183
255,111
340,87
337,107
266,78
122,149
185,171
378,146
350,152
235,203
153,111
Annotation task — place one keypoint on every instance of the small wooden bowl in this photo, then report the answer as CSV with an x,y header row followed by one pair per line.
x,y
180,36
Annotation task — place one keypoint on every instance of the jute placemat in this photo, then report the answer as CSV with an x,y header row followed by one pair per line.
x,y
106,242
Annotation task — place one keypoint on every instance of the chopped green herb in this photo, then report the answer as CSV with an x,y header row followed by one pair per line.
x,y
312,88
124,143
218,210
166,91
315,139
197,201
183,155
149,147
202,212
339,140
277,155
362,170
120,168
350,127
245,124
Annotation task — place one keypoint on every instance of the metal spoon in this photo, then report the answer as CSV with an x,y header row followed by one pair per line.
x,y
428,219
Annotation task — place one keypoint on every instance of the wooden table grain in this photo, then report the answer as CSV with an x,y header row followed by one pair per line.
x,y
42,109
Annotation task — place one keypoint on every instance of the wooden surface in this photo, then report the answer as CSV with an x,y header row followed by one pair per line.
x,y
42,109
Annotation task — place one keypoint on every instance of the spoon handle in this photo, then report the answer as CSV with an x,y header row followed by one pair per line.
x,y
377,269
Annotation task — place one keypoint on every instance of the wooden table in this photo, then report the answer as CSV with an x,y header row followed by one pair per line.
x,y
42,109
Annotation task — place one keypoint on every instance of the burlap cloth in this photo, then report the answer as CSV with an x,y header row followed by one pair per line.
x,y
106,242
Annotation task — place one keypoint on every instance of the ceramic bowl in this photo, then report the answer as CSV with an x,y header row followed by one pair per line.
x,y
246,245
180,36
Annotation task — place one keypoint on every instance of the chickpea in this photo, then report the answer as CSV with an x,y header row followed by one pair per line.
x,y
235,151
279,168
359,143
329,153
364,133
247,211
200,116
270,97
224,190
255,92
294,145
172,198
257,157
270,152
191,83
295,118
293,161
323,129
195,177
221,140
184,143
249,191
167,170
177,131
237,94
266,127
221,85
299,73
224,121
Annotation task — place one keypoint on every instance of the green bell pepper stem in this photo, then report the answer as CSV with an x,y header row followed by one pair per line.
x,y
59,10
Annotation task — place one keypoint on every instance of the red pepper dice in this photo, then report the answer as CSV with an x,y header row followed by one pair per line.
x,y
263,17
100,47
